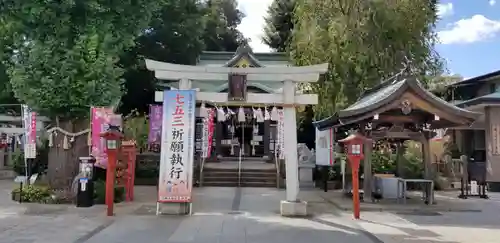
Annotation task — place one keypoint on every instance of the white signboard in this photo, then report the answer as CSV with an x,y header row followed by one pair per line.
x,y
325,147
177,146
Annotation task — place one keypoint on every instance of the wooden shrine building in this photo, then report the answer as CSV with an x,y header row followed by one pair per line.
x,y
398,108
256,137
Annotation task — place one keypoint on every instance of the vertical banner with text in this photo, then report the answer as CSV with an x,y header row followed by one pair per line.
x,y
29,125
101,118
155,121
177,146
281,134
208,133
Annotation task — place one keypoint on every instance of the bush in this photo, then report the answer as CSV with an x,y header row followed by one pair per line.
x,y
100,192
18,164
32,193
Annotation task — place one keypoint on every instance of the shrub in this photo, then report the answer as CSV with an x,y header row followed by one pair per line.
x,y
32,193
100,192
18,164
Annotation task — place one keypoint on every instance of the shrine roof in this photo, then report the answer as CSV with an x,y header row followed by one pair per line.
x,y
242,57
231,59
493,98
376,99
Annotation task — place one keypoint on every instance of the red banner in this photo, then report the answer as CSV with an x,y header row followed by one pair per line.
x,y
210,135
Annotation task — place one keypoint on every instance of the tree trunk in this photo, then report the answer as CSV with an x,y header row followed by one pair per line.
x,y
63,163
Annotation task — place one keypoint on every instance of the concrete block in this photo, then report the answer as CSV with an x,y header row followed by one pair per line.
x,y
306,177
293,209
172,208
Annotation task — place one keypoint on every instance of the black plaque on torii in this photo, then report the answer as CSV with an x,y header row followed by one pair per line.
x,y
237,87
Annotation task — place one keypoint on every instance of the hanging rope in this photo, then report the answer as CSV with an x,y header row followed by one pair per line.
x,y
66,143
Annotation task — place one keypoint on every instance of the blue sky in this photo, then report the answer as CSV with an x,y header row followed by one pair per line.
x,y
469,32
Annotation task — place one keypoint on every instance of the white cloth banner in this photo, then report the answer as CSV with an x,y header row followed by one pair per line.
x,y
177,146
29,125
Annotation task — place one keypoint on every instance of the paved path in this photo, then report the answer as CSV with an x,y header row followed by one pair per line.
x,y
241,215
443,227
221,215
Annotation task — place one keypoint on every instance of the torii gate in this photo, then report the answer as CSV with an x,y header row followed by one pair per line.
x,y
288,99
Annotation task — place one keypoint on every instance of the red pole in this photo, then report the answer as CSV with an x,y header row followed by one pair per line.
x,y
110,181
132,173
129,184
355,187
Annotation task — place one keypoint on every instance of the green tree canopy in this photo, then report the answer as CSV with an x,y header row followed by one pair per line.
x,y
364,42
279,25
178,34
221,19
66,51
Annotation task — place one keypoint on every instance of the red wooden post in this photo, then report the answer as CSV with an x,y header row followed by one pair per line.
x,y
113,138
355,187
131,167
129,152
110,181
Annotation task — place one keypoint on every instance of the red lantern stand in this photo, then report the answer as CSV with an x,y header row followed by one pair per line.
x,y
129,152
354,149
113,138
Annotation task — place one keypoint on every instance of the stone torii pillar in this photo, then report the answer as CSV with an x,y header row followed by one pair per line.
x,y
188,76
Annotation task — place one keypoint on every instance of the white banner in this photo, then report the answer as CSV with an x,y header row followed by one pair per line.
x,y
325,154
177,146
281,134
29,125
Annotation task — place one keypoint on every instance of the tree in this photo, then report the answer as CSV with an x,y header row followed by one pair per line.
x,y
65,61
279,25
174,35
222,18
364,42
178,34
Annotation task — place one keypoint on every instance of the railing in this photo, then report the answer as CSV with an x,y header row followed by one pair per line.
x,y
239,166
278,171
202,165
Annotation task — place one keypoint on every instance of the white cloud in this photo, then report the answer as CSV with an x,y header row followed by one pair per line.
x,y
492,2
477,28
445,9
252,25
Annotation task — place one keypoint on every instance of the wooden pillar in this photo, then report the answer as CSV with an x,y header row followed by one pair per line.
x,y
367,168
267,138
2,158
399,156
426,159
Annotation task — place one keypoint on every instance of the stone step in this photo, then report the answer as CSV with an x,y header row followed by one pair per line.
x,y
7,174
235,184
243,179
246,159
235,173
235,170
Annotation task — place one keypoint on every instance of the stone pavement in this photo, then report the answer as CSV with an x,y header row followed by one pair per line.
x,y
241,215
221,215
443,227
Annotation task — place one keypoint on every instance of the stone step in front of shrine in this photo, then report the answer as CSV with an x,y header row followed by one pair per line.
x,y
229,177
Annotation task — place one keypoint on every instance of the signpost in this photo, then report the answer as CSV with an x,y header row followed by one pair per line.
x,y
354,146
325,153
112,138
